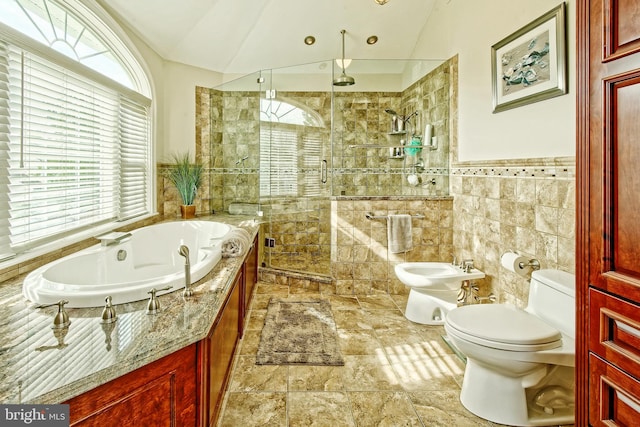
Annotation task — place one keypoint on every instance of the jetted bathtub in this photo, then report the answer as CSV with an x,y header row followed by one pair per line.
x,y
129,269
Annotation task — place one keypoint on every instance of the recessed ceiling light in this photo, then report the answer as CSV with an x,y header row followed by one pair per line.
x,y
309,40
372,39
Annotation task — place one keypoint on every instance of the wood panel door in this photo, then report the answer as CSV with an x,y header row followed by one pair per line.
x,y
162,393
608,222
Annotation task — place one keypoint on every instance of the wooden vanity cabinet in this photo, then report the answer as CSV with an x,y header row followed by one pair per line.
x,y
216,353
161,393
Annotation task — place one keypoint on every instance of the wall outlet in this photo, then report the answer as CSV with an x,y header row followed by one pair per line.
x,y
269,242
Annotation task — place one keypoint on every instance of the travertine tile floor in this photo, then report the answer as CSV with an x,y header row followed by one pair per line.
x,y
396,373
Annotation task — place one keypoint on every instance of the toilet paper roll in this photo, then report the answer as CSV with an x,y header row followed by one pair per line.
x,y
512,261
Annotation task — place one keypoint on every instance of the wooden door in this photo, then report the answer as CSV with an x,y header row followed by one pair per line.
x,y
608,214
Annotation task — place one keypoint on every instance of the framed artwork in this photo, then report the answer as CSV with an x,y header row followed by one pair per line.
x,y
530,65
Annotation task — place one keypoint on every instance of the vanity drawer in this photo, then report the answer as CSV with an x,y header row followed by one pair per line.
x,y
614,330
614,397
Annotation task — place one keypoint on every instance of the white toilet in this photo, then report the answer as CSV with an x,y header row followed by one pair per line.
x,y
520,363
434,289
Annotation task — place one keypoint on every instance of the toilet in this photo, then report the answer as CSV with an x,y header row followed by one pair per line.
x,y
520,363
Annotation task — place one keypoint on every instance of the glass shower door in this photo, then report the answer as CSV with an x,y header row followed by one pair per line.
x,y
294,178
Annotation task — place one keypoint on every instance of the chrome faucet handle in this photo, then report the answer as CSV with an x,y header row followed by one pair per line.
x,y
108,312
61,319
467,265
153,306
491,298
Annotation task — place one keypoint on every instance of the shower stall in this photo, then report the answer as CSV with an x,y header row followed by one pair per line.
x,y
285,144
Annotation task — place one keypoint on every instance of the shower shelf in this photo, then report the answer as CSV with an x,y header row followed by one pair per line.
x,y
379,146
370,215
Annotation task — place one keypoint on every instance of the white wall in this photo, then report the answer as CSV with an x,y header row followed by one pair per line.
x,y
469,29
174,90
179,120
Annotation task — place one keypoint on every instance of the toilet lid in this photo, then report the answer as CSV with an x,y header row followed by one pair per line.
x,y
502,326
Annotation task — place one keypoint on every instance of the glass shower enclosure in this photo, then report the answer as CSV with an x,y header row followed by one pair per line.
x,y
286,142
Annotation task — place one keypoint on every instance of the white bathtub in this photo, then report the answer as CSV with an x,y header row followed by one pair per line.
x,y
152,260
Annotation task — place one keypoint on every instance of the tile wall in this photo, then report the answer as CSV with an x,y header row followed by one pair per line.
x,y
526,206
361,263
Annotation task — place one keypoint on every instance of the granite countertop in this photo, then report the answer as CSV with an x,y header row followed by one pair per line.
x,y
41,365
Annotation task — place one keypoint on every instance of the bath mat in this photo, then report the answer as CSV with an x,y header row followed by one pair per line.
x,y
299,333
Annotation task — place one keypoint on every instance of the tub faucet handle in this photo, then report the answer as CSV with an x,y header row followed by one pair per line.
x,y
61,319
153,306
108,312
184,251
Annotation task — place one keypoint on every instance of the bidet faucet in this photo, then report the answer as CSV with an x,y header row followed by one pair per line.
x,y
184,251
468,293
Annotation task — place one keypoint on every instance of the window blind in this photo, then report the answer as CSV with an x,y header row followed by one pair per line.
x,y
76,153
278,161
312,156
5,109
134,156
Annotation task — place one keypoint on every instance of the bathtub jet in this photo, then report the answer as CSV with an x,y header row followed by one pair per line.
x,y
87,277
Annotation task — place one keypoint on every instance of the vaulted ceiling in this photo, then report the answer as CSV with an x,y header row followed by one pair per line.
x,y
243,36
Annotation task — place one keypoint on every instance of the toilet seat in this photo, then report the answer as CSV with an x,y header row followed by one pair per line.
x,y
501,326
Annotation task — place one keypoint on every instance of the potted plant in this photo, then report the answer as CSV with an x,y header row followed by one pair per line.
x,y
186,177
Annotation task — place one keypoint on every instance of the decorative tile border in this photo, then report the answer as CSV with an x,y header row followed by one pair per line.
x,y
561,172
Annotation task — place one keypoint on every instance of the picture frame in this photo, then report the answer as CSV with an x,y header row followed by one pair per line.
x,y
530,65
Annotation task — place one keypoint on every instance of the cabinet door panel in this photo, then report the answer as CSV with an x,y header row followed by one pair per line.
x,y
613,396
622,34
220,348
614,331
162,393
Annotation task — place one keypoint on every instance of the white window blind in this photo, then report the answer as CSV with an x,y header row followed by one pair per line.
x,y
76,152
5,110
134,149
278,161
311,159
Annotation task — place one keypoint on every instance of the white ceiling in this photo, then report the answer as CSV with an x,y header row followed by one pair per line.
x,y
243,36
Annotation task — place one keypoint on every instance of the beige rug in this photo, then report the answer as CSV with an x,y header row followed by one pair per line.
x,y
297,333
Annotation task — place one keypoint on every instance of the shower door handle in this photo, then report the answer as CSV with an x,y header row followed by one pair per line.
x,y
323,172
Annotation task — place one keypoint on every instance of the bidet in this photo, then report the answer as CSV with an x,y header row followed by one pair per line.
x,y
434,288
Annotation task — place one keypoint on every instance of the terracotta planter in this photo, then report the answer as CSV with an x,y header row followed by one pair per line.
x,y
188,211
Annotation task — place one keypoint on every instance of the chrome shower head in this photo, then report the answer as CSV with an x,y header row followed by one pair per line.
x,y
390,111
343,79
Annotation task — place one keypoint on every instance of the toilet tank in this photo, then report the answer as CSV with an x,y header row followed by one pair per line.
x,y
552,297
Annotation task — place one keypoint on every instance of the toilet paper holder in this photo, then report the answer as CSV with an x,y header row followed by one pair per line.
x,y
533,263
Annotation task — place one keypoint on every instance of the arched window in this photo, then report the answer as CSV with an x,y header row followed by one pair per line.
x,y
290,149
74,124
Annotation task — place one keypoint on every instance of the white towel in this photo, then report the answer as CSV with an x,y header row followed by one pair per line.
x,y
236,243
399,233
